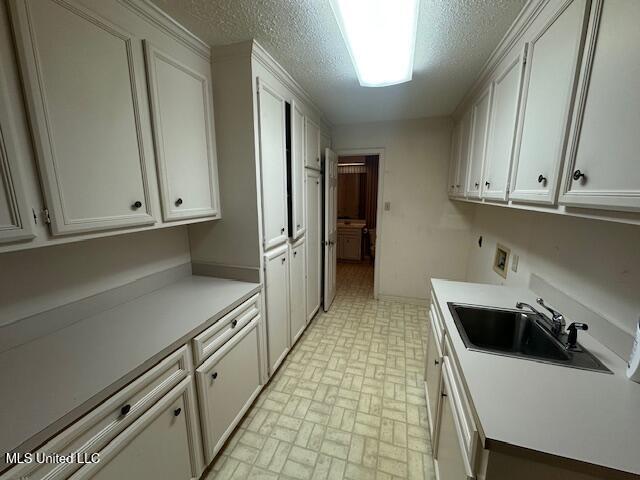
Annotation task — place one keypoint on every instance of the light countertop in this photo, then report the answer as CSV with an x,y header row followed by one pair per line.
x,y
81,365
582,415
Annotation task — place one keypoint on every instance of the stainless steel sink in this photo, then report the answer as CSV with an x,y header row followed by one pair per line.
x,y
517,333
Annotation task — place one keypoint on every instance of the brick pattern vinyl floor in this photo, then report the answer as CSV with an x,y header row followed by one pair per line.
x,y
348,402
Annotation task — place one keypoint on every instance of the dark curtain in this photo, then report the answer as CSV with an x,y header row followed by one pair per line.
x,y
369,191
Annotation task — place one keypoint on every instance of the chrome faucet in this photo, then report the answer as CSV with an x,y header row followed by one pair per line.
x,y
557,319
555,324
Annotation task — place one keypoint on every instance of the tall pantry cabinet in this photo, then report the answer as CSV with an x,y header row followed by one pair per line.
x,y
269,137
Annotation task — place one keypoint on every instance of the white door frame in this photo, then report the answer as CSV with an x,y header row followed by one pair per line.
x,y
354,152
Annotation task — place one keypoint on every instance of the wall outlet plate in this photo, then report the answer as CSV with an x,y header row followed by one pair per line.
x,y
501,260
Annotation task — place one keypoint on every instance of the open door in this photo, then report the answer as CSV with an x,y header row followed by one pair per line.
x,y
330,228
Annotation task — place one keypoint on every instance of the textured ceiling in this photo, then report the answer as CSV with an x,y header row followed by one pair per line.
x,y
455,38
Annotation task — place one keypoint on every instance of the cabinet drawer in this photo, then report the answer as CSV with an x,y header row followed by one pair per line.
x,y
163,443
228,382
220,332
462,411
93,431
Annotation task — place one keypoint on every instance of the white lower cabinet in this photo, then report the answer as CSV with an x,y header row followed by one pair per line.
x,y
313,242
450,459
432,377
276,281
228,382
297,293
163,443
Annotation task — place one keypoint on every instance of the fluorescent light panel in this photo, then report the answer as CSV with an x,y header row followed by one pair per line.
x,y
381,38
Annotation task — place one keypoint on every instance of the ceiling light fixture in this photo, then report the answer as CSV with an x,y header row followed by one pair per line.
x,y
380,37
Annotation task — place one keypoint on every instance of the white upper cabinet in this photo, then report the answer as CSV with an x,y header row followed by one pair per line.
x,y
454,163
463,152
273,161
312,144
81,76
550,75
15,217
297,171
481,111
502,129
603,164
183,136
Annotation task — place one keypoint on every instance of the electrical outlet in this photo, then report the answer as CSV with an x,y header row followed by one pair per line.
x,y
514,262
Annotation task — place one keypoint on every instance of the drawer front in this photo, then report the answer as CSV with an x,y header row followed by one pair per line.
x,y
468,430
163,443
93,431
205,344
228,382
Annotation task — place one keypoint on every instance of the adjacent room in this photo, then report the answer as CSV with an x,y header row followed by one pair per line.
x,y
319,240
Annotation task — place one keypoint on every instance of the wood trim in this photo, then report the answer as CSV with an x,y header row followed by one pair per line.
x,y
158,18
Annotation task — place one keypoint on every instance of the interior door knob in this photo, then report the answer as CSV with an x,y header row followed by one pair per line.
x,y
577,175
136,205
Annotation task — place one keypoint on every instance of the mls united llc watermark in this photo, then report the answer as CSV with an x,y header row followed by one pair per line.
x,y
13,458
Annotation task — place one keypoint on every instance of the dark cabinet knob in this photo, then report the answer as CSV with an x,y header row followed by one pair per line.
x,y
214,375
298,226
477,184
577,175
234,323
125,409
282,230
436,362
443,394
284,260
486,184
136,205
542,179
177,411
178,202
295,253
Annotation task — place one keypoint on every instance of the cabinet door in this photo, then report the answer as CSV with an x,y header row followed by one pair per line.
x,y
273,162
277,304
183,136
228,382
480,125
15,217
298,290
463,151
297,170
550,74
163,443
312,144
81,78
502,131
450,459
454,162
313,242
432,379
603,166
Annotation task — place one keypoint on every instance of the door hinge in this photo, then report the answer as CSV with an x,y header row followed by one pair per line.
x,y
46,216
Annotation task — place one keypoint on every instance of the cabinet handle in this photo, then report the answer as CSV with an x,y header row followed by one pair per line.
x,y
443,394
178,202
126,409
136,205
436,362
234,323
477,184
295,253
542,179
457,186
282,230
318,159
284,260
577,175
214,375
177,411
486,184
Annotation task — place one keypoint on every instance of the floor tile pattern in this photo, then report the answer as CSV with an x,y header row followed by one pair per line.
x,y
348,402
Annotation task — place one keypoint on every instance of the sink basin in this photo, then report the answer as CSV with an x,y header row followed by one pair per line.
x,y
516,333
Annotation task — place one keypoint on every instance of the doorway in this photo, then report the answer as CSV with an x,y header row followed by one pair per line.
x,y
358,216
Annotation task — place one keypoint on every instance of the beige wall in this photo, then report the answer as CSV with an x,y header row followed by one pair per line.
x,y
33,281
424,235
594,262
